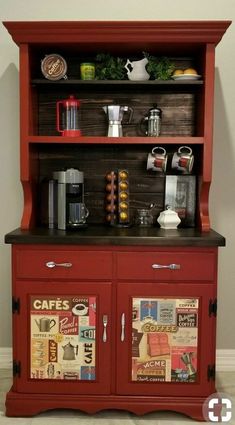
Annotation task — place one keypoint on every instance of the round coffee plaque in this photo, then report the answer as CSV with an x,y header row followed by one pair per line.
x,y
54,67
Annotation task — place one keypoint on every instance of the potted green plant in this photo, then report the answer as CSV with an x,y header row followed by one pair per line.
x,y
109,67
159,68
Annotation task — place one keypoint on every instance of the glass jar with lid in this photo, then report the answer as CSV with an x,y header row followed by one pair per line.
x,y
144,217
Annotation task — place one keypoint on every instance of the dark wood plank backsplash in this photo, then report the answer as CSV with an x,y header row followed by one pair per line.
x,y
96,161
178,111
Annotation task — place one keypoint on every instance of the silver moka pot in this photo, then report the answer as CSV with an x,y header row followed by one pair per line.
x,y
115,116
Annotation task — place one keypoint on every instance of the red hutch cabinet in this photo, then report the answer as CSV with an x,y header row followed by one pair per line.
x,y
114,317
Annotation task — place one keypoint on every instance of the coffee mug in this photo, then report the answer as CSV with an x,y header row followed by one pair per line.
x,y
80,309
183,159
157,159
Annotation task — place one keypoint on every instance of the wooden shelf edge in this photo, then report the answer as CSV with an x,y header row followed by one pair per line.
x,y
41,81
115,140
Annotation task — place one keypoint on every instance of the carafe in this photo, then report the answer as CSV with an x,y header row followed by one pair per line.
x,y
67,120
150,125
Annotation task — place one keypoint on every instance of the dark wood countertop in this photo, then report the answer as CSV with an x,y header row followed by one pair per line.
x,y
104,235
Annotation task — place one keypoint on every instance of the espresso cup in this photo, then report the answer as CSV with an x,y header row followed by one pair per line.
x,y
183,160
157,159
80,309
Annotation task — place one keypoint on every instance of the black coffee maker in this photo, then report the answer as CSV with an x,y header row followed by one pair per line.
x,y
72,212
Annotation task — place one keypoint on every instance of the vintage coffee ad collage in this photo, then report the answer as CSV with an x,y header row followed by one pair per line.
x,y
164,339
63,337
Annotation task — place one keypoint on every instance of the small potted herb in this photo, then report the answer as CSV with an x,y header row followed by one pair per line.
x,y
159,68
109,67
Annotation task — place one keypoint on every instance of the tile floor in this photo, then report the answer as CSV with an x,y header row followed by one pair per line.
x,y
225,384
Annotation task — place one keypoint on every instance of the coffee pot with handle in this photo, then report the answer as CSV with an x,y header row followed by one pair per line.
x,y
115,115
45,324
70,351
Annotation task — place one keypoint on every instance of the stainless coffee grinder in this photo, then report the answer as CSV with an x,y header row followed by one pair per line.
x,y
72,212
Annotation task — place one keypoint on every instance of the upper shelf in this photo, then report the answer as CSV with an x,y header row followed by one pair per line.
x,y
38,81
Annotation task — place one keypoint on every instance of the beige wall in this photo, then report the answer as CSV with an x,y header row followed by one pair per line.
x,y
222,199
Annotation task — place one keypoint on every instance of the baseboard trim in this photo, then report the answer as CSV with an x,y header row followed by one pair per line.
x,y
225,359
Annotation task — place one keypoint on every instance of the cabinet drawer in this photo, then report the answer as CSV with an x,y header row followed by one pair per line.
x,y
67,264
167,266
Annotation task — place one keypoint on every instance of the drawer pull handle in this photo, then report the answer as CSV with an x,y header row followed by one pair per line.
x,y
52,264
123,322
167,266
105,322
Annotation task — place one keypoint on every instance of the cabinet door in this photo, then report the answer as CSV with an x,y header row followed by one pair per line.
x,y
165,340
63,337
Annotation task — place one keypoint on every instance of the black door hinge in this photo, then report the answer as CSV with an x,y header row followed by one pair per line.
x,y
213,307
15,305
16,368
211,372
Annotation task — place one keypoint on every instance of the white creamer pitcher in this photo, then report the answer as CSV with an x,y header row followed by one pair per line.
x,y
136,70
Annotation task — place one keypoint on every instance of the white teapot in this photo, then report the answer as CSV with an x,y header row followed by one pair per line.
x,y
137,71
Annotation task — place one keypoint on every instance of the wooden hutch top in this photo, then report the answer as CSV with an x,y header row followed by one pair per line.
x,y
185,32
165,37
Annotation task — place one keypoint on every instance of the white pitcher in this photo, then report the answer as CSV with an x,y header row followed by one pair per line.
x,y
137,71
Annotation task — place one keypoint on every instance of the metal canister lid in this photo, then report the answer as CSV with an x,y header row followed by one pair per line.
x,y
155,111
54,67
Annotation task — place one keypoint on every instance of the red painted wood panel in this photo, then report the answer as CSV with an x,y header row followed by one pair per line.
x,y
193,266
124,36
206,340
54,290
118,31
82,265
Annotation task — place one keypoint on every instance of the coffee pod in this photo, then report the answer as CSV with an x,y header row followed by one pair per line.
x,y
123,198
111,198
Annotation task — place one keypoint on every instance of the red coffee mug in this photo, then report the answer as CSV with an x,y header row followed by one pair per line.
x,y
183,160
157,159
